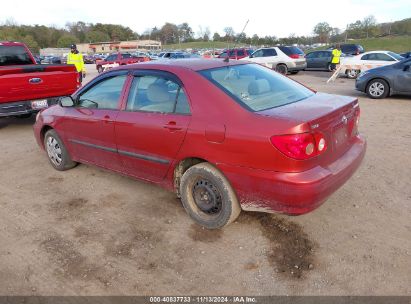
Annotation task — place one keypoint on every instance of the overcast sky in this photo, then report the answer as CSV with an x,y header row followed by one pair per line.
x,y
266,17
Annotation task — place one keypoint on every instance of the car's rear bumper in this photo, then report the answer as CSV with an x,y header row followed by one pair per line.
x,y
293,193
21,107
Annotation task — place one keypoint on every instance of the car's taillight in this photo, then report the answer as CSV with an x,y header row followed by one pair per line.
x,y
300,146
294,56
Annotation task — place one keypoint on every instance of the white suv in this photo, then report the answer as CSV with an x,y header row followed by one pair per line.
x,y
283,59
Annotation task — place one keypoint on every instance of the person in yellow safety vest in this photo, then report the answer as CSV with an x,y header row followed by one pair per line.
x,y
335,57
76,58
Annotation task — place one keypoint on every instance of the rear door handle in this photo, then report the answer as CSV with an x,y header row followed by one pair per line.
x,y
172,126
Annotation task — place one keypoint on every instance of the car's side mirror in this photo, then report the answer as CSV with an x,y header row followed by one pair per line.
x,y
66,102
250,56
406,68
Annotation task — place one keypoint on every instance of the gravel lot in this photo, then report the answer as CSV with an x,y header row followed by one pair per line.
x,y
91,232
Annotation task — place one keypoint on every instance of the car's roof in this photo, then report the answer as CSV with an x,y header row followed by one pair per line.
x,y
11,43
195,64
372,52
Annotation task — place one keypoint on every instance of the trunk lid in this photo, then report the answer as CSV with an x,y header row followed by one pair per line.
x,y
333,116
30,82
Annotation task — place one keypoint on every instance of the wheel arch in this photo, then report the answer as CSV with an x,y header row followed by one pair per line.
x,y
43,132
182,166
382,78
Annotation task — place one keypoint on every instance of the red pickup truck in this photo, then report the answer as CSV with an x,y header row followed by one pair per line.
x,y
117,59
27,87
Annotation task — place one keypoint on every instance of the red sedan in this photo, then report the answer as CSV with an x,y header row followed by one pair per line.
x,y
224,136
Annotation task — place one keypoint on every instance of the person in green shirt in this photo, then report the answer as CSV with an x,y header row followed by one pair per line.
x,y
335,57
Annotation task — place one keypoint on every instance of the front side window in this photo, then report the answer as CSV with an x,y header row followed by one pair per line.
x,y
157,94
255,87
103,95
258,53
124,56
112,57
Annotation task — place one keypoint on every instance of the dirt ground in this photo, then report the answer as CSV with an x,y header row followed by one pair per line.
x,y
91,232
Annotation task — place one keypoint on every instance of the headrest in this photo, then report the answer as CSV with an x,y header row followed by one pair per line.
x,y
157,93
258,87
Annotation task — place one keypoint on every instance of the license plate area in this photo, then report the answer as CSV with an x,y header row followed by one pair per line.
x,y
39,104
341,136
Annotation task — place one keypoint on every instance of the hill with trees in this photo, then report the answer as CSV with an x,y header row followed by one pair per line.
x,y
181,35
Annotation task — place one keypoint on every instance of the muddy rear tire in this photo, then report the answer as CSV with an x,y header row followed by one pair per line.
x,y
208,197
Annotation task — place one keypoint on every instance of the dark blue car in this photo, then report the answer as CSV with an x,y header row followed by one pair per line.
x,y
387,80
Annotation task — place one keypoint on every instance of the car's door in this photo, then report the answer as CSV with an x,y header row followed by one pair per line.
x,y
402,81
89,125
152,127
314,60
324,60
270,56
310,59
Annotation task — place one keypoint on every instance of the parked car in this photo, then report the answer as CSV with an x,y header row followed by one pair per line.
x,y
374,58
350,49
51,60
117,59
236,54
385,81
406,55
283,59
180,124
89,59
25,86
319,60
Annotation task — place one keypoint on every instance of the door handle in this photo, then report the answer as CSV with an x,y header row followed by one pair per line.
x,y
172,126
107,119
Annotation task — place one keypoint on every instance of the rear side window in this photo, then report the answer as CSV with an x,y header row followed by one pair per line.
x,y
157,94
240,53
126,55
289,50
14,55
269,52
255,87
349,48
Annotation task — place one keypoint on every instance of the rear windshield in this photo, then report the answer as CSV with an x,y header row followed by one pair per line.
x,y
14,55
289,50
255,87
396,56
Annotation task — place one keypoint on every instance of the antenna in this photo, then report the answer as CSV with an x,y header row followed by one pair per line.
x,y
227,59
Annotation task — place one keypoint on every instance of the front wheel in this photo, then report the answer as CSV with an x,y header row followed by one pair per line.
x,y
100,69
282,69
378,89
57,152
208,197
